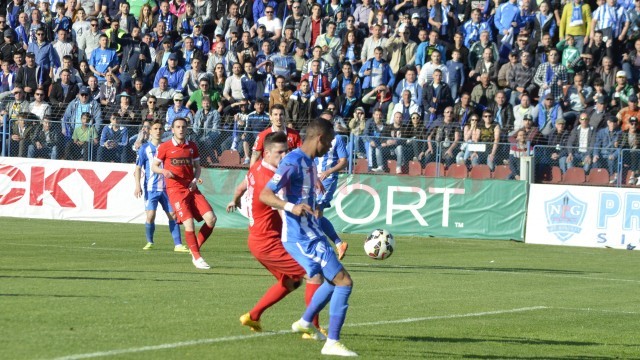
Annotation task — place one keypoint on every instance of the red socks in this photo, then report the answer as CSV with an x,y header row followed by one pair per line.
x,y
192,243
204,233
310,289
275,293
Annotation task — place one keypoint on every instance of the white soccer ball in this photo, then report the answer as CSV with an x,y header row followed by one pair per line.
x,y
379,245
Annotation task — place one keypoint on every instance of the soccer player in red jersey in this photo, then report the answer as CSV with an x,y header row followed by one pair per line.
x,y
265,229
276,116
179,161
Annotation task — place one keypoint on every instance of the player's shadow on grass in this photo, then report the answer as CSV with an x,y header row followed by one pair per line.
x,y
455,340
467,268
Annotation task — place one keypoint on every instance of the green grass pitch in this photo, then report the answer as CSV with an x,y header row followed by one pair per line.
x,y
74,290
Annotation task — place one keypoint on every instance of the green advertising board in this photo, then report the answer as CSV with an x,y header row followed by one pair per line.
x,y
404,205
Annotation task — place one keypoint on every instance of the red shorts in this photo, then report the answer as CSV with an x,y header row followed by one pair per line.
x,y
189,205
272,255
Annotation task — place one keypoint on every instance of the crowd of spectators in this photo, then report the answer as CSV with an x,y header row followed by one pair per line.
x,y
421,80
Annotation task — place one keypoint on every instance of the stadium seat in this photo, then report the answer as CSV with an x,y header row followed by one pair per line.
x,y
457,171
598,177
229,158
574,175
552,175
391,165
434,169
480,171
415,168
502,172
361,166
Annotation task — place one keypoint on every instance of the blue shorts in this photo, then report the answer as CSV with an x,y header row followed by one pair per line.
x,y
316,257
323,201
152,198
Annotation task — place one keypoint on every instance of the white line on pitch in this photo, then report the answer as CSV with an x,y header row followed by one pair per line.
x,y
597,310
263,334
75,247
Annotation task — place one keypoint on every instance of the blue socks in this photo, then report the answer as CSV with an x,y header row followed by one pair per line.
x,y
329,230
175,232
338,310
149,229
318,301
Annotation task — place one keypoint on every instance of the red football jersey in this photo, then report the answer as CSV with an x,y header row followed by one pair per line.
x,y
293,139
178,158
264,221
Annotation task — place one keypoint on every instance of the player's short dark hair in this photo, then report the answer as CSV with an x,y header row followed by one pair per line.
x,y
319,126
159,122
261,101
278,137
186,121
276,106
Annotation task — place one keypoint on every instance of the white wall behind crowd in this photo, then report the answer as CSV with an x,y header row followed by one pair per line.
x,y
70,190
584,216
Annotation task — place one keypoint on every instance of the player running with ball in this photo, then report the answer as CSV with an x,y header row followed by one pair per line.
x,y
180,162
265,229
303,237
154,190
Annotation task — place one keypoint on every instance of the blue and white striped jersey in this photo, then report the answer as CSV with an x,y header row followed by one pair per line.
x,y
337,151
297,178
152,181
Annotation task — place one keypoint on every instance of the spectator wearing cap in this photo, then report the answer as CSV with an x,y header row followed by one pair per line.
x,y
546,114
289,39
165,48
31,77
172,72
330,44
200,41
598,112
621,92
607,147
504,71
300,57
10,46
631,157
630,111
103,59
72,117
89,40
178,110
531,133
414,28
579,96
555,153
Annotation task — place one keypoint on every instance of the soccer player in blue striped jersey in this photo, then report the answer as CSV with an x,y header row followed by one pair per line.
x,y
303,237
327,167
154,190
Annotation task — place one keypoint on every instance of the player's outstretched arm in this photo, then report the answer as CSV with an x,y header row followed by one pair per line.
x,y
268,197
235,203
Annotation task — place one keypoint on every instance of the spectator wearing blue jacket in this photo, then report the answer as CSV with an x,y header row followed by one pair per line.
x,y
113,142
456,73
424,49
507,16
472,28
46,55
172,72
607,147
376,71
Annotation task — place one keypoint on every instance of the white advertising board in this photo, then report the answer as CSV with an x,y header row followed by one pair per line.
x,y
584,216
70,190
